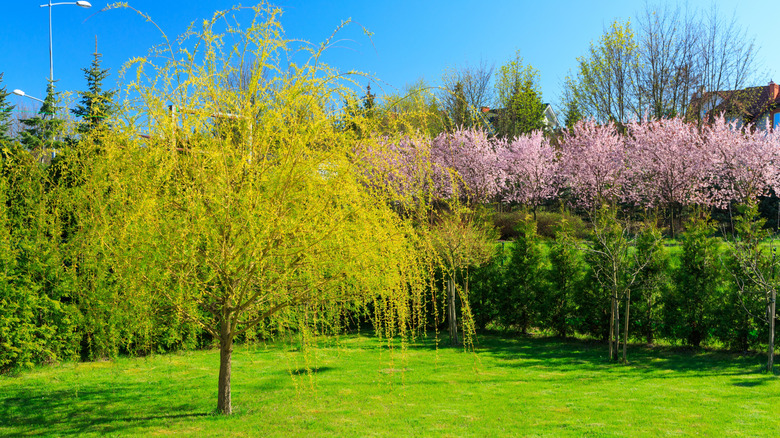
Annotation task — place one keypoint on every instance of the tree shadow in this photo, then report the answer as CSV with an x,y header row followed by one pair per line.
x,y
307,371
566,354
102,409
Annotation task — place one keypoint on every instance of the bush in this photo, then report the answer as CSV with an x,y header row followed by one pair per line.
x,y
547,223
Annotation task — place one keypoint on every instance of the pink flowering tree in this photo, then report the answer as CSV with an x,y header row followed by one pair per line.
x,y
402,166
744,165
468,162
669,165
530,168
593,163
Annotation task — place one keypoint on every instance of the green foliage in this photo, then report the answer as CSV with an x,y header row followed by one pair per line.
x,y
520,98
414,110
605,85
698,281
37,318
653,282
5,116
525,278
572,115
43,134
97,105
459,115
565,279
742,318
547,224
487,288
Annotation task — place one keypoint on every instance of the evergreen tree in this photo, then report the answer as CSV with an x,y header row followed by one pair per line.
x,y
688,311
565,279
5,115
96,105
457,109
41,132
525,278
573,114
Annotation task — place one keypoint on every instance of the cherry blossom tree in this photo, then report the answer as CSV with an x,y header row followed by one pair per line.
x,y
593,163
470,160
744,165
531,168
668,165
401,166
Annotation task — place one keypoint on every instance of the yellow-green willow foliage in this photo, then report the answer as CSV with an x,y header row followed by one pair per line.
x,y
246,206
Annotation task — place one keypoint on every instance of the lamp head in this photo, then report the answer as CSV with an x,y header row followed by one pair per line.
x,y
83,4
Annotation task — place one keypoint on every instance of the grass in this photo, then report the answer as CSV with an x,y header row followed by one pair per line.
x,y
356,386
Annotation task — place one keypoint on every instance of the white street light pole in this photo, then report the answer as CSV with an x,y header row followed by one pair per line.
x,y
49,5
19,92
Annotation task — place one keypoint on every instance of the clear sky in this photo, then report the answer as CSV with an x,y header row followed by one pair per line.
x,y
411,39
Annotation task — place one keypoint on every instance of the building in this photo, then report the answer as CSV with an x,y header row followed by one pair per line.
x,y
749,106
551,123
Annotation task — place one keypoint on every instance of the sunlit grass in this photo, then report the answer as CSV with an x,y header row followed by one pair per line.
x,y
356,386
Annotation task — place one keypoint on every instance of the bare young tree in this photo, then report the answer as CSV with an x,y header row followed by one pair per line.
x,y
605,79
464,91
667,40
673,62
725,56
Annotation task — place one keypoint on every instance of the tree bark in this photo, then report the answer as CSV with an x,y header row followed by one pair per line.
x,y
452,315
625,326
612,328
224,402
617,327
771,348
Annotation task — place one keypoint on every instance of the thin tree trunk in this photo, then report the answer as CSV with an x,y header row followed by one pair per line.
x,y
612,328
648,316
452,315
224,402
617,327
625,329
771,348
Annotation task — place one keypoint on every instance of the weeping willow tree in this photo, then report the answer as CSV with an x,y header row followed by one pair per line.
x,y
247,205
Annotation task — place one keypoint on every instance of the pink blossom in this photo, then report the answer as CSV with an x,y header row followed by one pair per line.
x,y
744,164
668,164
530,166
468,162
593,163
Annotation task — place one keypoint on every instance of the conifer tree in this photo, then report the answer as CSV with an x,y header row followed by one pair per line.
x,y
5,115
42,131
96,105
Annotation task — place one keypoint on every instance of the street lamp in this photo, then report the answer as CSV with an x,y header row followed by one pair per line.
x,y
19,92
49,5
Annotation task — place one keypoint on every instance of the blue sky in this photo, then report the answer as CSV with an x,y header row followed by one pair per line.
x,y
411,39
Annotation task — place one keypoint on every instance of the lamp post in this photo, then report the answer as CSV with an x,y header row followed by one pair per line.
x,y
19,92
49,5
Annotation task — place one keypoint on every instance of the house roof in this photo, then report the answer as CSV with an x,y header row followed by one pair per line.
x,y
749,104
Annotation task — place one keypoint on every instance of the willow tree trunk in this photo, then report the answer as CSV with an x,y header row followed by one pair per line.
x,y
452,316
224,402
771,348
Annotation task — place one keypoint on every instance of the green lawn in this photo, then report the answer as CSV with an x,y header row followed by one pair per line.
x,y
359,387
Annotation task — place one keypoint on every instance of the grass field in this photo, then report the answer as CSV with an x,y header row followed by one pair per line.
x,y
356,386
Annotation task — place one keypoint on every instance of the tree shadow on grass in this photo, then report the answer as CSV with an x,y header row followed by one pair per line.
x,y
307,371
112,407
89,409
579,355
